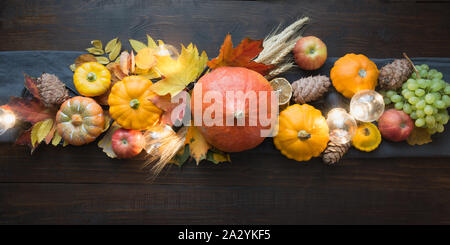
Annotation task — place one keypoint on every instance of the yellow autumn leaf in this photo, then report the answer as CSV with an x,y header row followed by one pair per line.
x,y
106,142
218,157
179,73
56,139
145,58
137,45
40,131
151,43
419,136
197,144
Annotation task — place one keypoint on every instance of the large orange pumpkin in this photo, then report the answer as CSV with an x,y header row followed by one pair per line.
x,y
236,137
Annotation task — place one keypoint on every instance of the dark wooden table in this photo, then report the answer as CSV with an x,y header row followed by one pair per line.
x,y
80,185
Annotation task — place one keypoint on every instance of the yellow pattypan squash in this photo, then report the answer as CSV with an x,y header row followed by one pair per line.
x,y
303,132
130,105
92,79
367,137
353,73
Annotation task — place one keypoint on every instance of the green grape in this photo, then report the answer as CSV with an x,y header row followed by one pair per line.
x,y
436,86
435,110
438,117
432,71
413,75
422,83
437,95
387,101
408,94
428,110
419,92
429,98
399,105
396,98
390,93
420,122
404,91
420,113
440,128
382,92
438,75
420,104
413,100
430,120
445,119
431,130
431,124
446,99
447,89
424,67
439,104
423,73
407,108
413,85
404,85
413,115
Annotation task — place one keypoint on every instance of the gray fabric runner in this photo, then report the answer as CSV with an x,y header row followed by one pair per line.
x,y
14,63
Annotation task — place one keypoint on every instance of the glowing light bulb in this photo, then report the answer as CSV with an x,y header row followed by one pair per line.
x,y
167,50
7,120
367,106
342,126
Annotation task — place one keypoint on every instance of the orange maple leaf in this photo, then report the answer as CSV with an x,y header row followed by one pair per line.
x,y
241,56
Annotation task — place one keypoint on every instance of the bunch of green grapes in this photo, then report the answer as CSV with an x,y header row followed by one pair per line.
x,y
425,99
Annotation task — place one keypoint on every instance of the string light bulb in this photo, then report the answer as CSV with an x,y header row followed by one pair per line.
x,y
7,120
167,50
342,126
367,106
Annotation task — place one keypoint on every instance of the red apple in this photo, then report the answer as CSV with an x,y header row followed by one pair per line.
x,y
127,143
310,53
395,125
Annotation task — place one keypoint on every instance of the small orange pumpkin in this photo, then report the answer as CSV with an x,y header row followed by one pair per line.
x,y
80,120
353,73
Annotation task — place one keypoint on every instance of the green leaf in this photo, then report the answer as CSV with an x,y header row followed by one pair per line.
x,y
102,60
182,156
97,44
115,51
151,43
136,45
110,45
95,51
72,67
217,157
56,139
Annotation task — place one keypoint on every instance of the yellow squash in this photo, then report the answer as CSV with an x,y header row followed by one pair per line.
x,y
367,137
130,105
353,73
303,132
92,79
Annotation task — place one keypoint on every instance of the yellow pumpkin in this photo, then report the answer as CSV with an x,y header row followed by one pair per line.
x,y
80,120
302,133
367,137
92,79
130,105
353,73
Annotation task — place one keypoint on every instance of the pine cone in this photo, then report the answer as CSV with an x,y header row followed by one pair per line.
x,y
334,152
52,91
310,88
393,75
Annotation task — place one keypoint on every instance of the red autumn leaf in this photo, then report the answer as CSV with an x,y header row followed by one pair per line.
x,y
24,138
241,56
31,85
165,104
30,110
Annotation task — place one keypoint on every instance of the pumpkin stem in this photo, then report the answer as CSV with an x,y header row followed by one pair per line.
x,y
362,73
91,77
366,131
134,103
412,64
303,135
76,120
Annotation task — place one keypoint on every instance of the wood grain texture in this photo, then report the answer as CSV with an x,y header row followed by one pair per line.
x,y
80,185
